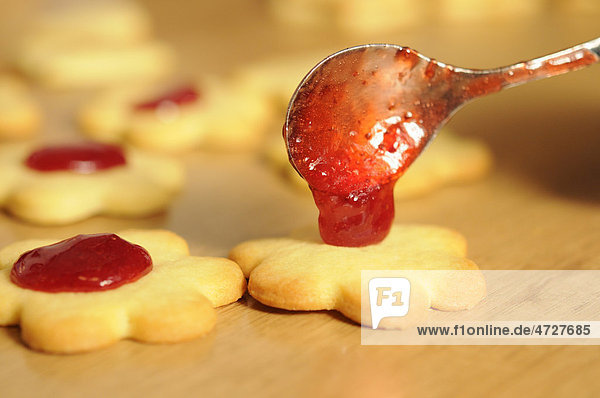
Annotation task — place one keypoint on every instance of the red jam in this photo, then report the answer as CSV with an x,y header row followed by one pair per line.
x,y
84,263
361,119
180,96
81,158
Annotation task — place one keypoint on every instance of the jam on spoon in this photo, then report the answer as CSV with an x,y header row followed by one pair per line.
x,y
84,263
180,96
364,114
81,158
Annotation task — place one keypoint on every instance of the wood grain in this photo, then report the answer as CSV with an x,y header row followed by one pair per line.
x,y
538,210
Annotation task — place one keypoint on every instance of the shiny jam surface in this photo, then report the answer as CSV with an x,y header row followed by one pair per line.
x,y
84,263
82,158
364,116
180,96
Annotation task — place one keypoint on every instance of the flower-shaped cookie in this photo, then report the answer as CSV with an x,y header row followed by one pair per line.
x,y
350,16
469,11
277,77
114,21
306,274
376,16
210,114
92,45
172,302
76,64
450,159
138,184
19,113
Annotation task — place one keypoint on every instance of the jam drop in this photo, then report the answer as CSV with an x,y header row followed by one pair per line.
x,y
357,219
361,118
181,96
81,158
84,263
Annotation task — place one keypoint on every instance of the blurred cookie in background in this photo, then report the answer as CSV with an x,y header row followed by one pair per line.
x,y
62,183
90,44
577,7
210,114
352,16
224,113
84,64
277,77
20,114
458,11
377,16
108,20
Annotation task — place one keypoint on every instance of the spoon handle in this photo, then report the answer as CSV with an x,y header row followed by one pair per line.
x,y
564,61
593,45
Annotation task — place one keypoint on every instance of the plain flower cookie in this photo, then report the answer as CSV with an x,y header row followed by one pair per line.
x,y
20,114
61,184
209,114
106,20
377,16
274,79
76,64
90,291
469,11
304,274
349,16
449,159
277,77
88,45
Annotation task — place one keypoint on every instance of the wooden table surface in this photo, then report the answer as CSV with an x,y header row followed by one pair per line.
x,y
537,210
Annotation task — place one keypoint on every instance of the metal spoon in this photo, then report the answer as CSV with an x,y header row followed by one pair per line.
x,y
353,96
364,114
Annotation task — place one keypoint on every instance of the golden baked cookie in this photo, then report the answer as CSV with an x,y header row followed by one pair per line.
x,y
107,20
62,184
350,16
276,78
169,297
304,274
272,81
20,114
79,64
577,7
460,11
211,114
92,45
449,159
360,17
